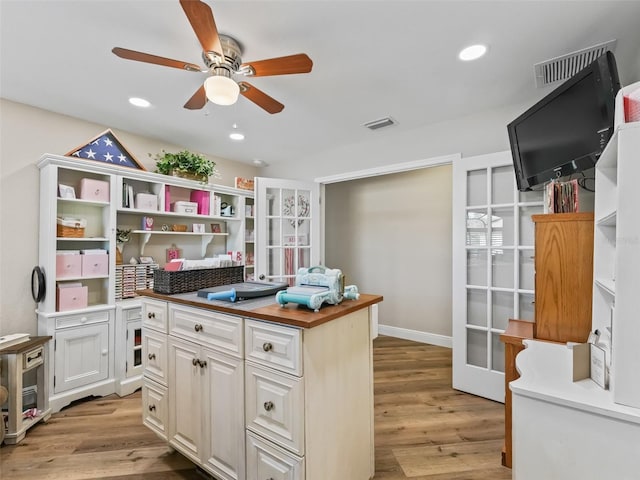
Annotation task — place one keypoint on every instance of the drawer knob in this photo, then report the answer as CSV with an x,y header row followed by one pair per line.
x,y
195,362
152,408
152,356
198,327
151,315
203,363
267,346
268,406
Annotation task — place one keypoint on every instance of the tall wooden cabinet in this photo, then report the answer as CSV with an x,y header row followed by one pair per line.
x,y
564,276
97,343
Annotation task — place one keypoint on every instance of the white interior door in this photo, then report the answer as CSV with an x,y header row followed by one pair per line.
x,y
493,273
287,228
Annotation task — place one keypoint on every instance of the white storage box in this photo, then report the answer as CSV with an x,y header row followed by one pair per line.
x,y
185,207
146,201
96,190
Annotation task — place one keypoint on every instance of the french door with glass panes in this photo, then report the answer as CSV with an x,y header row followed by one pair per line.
x,y
493,268
287,228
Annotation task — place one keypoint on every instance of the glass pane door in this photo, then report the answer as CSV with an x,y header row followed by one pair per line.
x,y
493,268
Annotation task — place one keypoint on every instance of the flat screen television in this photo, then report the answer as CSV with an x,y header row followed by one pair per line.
x,y
566,131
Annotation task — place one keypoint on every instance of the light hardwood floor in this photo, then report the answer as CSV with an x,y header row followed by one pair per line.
x,y
424,429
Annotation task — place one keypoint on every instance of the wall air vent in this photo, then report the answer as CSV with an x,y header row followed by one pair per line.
x,y
566,66
381,123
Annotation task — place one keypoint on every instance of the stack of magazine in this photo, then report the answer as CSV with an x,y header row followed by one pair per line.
x,y
561,197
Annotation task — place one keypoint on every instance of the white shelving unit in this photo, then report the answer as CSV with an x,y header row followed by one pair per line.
x,y
617,254
94,349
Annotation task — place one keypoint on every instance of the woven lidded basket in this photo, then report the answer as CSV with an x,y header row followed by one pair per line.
x,y
70,227
183,281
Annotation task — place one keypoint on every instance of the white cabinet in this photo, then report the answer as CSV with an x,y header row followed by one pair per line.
x,y
617,254
251,400
81,353
78,256
128,354
205,378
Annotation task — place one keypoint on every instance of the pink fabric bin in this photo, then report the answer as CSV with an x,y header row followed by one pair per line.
x,y
95,190
201,197
71,297
95,264
68,265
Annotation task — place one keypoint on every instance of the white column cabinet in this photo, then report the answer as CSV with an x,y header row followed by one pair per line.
x,y
91,359
617,254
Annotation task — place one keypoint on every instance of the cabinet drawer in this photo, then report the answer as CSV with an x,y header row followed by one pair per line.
x,y
154,355
154,407
77,320
130,314
210,329
154,315
274,346
268,461
33,358
275,407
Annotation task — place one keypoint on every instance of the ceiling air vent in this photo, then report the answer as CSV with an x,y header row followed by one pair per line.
x,y
381,123
566,66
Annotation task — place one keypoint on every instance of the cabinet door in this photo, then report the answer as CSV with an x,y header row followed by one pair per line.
x,y
134,348
223,397
81,356
493,275
287,228
185,398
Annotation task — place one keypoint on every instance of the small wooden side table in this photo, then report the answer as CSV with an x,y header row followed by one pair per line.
x,y
18,359
516,332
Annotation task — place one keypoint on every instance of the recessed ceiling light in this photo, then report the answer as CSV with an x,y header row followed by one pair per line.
x,y
472,52
139,102
236,136
259,163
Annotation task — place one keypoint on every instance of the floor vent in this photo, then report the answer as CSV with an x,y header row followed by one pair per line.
x,y
381,123
566,66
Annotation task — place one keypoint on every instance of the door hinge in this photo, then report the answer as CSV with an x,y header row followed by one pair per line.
x,y
126,366
127,336
54,381
55,344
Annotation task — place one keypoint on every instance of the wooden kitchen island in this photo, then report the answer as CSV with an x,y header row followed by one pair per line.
x,y
254,390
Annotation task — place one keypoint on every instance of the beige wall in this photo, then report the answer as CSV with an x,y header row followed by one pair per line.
x,y
391,235
25,134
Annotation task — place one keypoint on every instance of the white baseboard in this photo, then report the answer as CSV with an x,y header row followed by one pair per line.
x,y
416,336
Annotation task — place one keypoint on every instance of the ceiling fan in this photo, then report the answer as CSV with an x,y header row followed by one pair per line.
x,y
222,56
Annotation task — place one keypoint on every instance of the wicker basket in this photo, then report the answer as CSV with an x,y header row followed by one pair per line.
x,y
192,280
70,227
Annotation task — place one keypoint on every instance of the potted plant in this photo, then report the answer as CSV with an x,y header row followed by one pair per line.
x,y
185,164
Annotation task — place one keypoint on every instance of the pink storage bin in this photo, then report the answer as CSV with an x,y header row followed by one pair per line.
x,y
68,265
95,190
71,297
201,197
95,264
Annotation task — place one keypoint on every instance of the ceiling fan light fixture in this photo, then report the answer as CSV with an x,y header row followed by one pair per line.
x,y
221,90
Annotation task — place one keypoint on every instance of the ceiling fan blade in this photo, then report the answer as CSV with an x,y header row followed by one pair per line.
x,y
148,58
260,98
201,19
299,63
198,100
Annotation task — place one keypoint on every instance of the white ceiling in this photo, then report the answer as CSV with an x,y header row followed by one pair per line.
x,y
371,59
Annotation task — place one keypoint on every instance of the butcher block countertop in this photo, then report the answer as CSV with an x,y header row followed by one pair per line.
x,y
267,309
